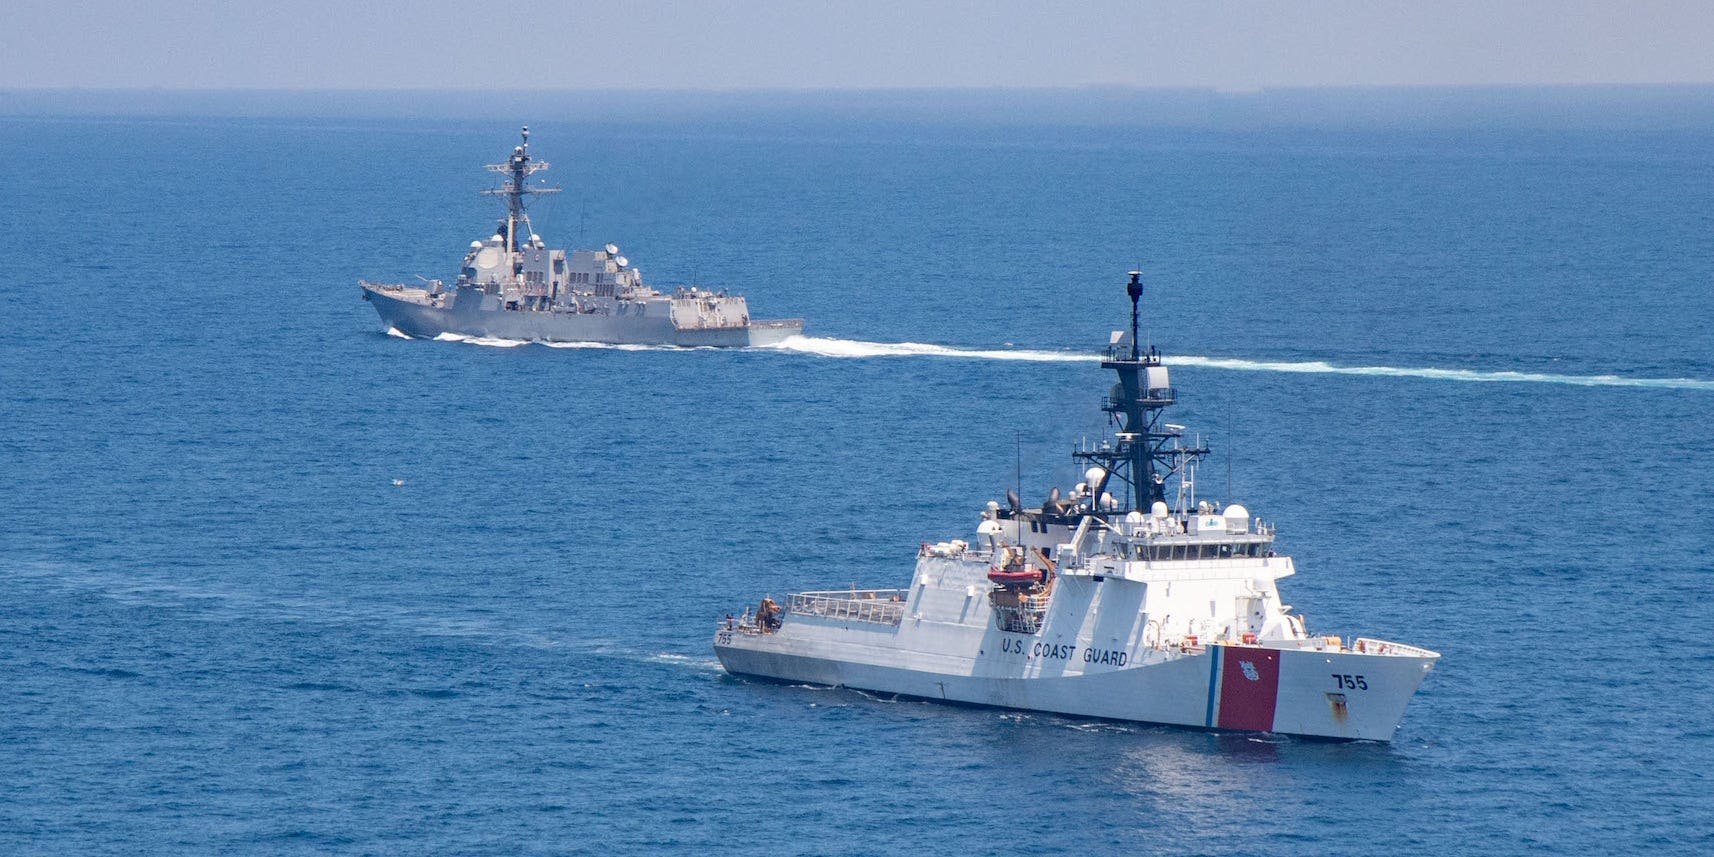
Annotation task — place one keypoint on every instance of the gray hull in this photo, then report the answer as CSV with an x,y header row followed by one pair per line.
x,y
486,319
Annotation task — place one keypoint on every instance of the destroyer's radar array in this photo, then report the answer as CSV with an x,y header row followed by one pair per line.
x,y
517,170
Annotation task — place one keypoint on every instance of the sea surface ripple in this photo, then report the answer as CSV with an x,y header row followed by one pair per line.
x,y
277,582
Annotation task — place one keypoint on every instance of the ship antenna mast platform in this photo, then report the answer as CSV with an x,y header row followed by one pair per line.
x,y
1149,451
517,169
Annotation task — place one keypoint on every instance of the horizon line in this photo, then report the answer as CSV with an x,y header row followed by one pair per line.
x,y
925,88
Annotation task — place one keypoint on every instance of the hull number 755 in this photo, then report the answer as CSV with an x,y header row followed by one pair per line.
x,y
1349,682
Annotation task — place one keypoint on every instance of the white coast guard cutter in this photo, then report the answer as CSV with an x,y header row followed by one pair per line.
x,y
1108,603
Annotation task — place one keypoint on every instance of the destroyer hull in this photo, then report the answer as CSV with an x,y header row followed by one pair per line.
x,y
1324,694
422,321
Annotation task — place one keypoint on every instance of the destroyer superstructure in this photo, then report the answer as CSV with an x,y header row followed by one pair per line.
x,y
511,285
1127,599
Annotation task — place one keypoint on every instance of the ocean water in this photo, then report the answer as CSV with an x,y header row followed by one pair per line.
x,y
1467,371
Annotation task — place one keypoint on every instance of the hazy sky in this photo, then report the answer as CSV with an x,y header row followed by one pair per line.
x,y
317,44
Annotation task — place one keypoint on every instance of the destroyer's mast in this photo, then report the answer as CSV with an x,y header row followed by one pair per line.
x,y
517,169
1148,452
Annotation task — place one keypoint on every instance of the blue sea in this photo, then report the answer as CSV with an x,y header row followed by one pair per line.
x,y
277,582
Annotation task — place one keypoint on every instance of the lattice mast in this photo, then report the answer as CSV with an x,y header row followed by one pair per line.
x,y
517,169
1147,451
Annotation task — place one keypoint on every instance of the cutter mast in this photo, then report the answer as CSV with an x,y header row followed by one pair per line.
x,y
1147,451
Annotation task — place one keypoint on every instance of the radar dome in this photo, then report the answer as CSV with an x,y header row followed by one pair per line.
x,y
623,262
476,245
1236,516
1094,475
1159,509
612,249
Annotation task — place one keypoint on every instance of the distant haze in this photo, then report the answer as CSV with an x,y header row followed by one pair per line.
x,y
439,44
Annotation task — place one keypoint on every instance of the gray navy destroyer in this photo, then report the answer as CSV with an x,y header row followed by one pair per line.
x,y
1128,599
513,286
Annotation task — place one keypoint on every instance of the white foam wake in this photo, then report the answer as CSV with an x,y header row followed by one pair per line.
x,y
854,348
1318,367
480,340
610,345
496,342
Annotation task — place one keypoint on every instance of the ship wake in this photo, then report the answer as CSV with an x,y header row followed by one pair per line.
x,y
848,348
825,347
495,342
1318,367
860,349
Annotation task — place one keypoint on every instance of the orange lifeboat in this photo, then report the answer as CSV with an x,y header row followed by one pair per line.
x,y
1016,576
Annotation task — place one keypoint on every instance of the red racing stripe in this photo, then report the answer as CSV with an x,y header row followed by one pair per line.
x,y
1249,687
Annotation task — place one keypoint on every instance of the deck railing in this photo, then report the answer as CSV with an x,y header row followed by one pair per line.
x,y
879,606
1370,646
1025,618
